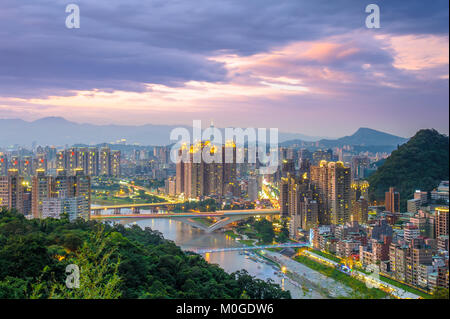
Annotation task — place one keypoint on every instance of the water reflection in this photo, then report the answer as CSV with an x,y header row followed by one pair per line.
x,y
189,238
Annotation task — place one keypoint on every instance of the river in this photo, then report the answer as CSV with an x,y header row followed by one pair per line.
x,y
315,285
188,237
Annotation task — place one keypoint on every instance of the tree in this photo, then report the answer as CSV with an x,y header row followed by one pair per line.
x,y
98,278
441,293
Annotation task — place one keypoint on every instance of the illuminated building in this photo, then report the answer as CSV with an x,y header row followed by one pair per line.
x,y
333,182
71,160
252,188
4,191
392,201
72,206
441,220
41,189
115,164
287,167
322,155
60,162
91,162
180,173
170,186
360,211
15,181
14,163
3,164
26,168
40,162
419,254
442,192
82,189
196,177
12,191
105,161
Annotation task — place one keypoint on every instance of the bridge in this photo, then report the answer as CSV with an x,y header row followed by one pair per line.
x,y
215,250
95,210
222,217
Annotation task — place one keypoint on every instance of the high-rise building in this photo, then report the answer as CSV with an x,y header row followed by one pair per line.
x,y
197,177
71,160
322,155
333,181
180,172
3,164
392,201
319,180
40,162
252,188
287,167
419,254
115,163
26,167
41,189
72,206
360,211
4,191
15,190
441,220
284,196
91,162
398,261
105,161
60,162
359,166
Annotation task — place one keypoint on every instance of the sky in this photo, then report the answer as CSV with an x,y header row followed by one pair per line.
x,y
310,67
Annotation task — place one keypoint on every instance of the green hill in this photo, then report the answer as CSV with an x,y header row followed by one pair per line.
x,y
114,261
421,163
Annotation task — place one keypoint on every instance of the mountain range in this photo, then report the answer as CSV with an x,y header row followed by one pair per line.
x,y
59,131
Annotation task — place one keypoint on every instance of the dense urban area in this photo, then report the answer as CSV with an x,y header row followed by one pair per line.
x,y
338,219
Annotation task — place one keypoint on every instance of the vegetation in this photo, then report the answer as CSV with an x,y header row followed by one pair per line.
x,y
283,236
404,287
114,262
421,163
441,293
360,290
327,255
265,229
110,191
207,205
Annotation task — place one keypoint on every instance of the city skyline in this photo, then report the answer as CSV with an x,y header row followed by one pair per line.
x,y
306,65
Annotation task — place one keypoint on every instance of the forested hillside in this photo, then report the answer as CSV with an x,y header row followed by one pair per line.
x,y
421,163
115,262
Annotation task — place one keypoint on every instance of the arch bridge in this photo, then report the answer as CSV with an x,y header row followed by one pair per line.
x,y
222,218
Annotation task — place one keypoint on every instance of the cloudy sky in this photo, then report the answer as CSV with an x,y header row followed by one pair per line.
x,y
310,67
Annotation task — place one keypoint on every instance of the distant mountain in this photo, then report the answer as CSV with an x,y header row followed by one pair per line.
x,y
421,163
59,131
365,137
